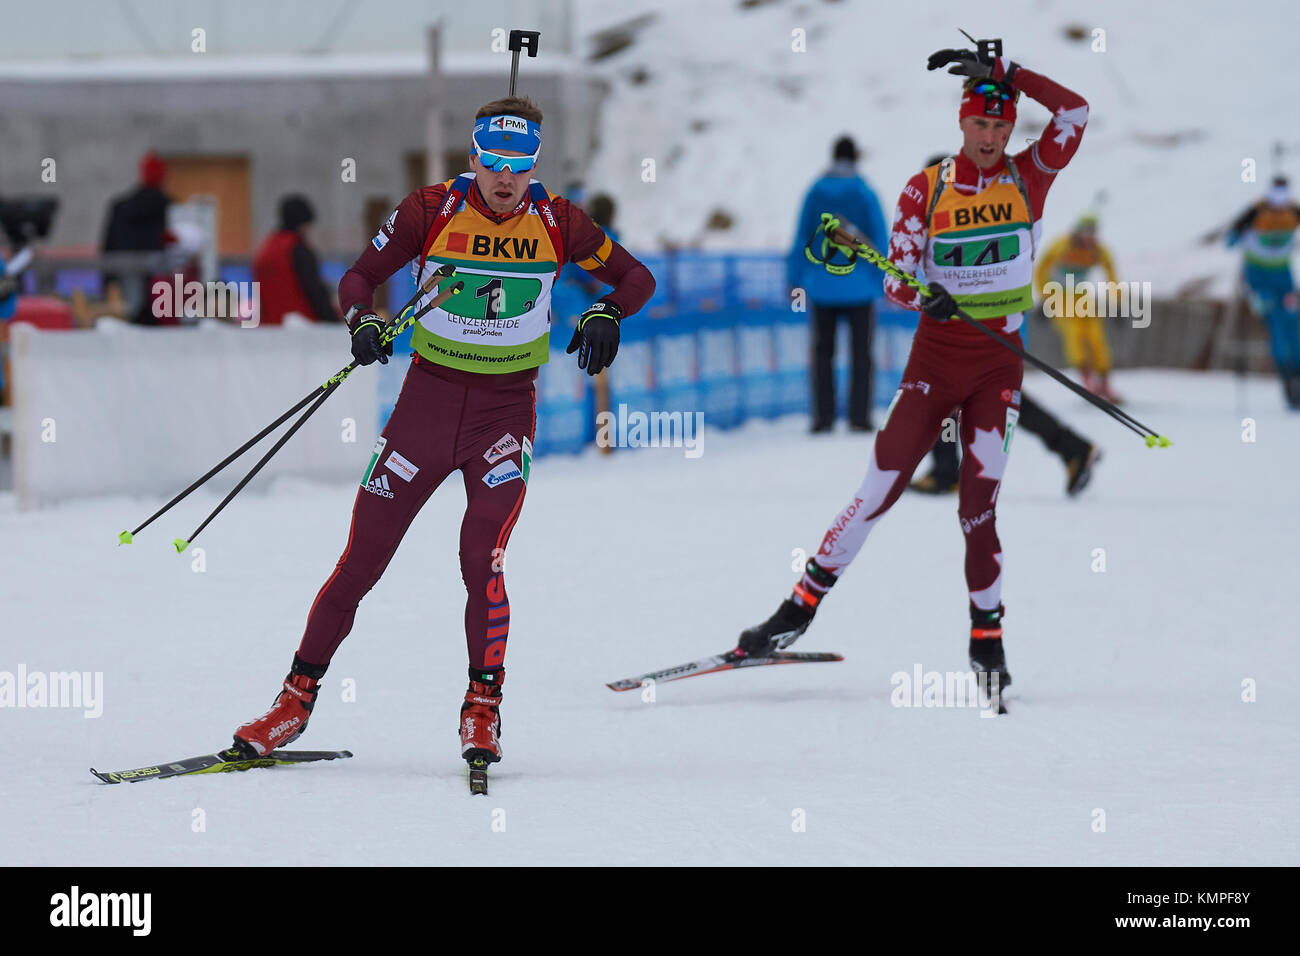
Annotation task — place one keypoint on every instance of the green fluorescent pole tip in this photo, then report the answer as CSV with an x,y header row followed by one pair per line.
x,y
124,538
1160,440
181,544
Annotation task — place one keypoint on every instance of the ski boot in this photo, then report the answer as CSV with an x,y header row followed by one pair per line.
x,y
934,484
987,658
480,718
1291,386
1103,390
1078,466
287,718
793,616
944,475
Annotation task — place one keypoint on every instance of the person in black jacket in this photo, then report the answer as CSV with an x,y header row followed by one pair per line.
x,y
137,222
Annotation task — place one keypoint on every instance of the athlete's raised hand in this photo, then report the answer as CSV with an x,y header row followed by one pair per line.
x,y
966,62
596,337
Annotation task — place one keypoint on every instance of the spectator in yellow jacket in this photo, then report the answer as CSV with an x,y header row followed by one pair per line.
x,y
1068,261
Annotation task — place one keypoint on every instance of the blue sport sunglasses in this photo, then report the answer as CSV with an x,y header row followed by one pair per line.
x,y
495,162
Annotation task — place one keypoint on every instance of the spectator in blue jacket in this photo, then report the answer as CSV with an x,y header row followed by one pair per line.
x,y
8,292
841,191
8,304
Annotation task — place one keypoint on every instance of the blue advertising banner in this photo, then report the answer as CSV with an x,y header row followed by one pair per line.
x,y
722,336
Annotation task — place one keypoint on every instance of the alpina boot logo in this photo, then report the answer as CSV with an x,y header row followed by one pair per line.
x,y
279,729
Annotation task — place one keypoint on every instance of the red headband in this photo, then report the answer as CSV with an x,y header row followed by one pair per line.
x,y
993,107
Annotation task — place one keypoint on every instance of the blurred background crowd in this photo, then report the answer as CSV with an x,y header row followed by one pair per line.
x,y
147,146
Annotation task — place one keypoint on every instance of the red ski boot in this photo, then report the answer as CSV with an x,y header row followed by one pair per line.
x,y
480,717
287,718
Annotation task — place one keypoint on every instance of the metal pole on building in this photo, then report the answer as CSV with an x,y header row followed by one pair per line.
x,y
433,148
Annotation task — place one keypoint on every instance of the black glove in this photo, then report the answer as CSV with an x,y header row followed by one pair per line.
x,y
597,337
967,62
939,304
8,286
365,340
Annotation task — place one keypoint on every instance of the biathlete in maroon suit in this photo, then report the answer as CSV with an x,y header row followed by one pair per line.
x,y
468,402
969,225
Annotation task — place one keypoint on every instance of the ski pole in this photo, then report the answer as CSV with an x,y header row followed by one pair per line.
x,y
855,248
326,391
181,543
126,536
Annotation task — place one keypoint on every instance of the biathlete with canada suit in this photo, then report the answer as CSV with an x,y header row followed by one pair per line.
x,y
468,402
969,225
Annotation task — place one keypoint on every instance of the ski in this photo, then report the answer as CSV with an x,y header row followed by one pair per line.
x,y
225,761
478,779
723,662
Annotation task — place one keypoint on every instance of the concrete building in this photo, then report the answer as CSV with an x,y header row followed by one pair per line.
x,y
346,102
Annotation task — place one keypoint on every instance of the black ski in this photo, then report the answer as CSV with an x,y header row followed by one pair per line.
x,y
225,761
478,779
731,660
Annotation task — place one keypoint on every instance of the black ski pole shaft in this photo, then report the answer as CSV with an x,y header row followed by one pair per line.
x,y
427,287
1121,416
183,543
328,389
126,536
846,241
1110,408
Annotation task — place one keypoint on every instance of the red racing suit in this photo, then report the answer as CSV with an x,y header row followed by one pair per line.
x,y
953,367
450,419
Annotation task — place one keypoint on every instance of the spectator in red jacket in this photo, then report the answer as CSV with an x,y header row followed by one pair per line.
x,y
288,272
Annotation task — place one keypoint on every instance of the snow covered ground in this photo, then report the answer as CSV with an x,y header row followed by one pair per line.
x,y
1127,697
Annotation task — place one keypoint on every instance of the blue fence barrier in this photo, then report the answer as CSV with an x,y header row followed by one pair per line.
x,y
718,337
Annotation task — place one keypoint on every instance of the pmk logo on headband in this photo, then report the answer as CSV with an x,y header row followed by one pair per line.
x,y
510,124
508,132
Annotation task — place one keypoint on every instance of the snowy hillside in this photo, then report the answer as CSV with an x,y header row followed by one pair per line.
x,y
737,121
1127,696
